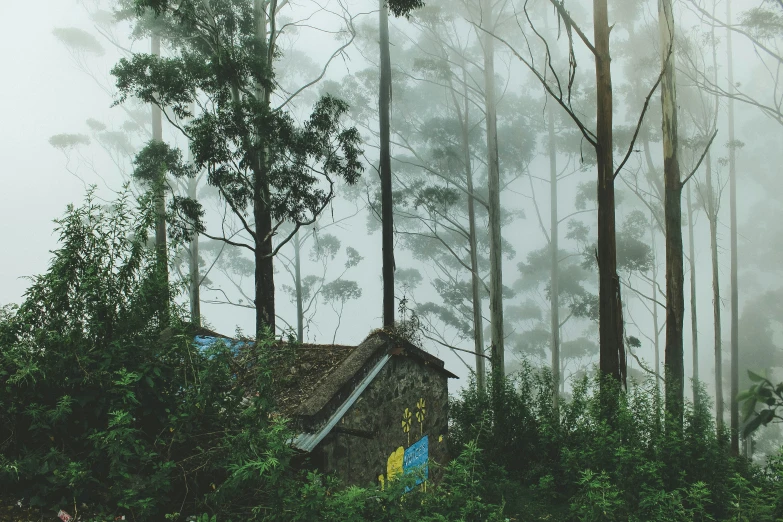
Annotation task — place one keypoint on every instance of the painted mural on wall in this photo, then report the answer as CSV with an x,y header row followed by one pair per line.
x,y
414,457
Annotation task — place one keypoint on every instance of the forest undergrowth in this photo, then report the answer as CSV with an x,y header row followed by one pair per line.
x,y
108,409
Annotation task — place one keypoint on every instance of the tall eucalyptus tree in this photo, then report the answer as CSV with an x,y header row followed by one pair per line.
x,y
488,23
159,190
675,304
734,419
264,165
387,204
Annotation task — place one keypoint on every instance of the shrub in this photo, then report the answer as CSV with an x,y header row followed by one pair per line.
x,y
459,497
104,406
627,466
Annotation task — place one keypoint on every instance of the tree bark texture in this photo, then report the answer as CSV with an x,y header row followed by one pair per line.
x,y
298,287
612,350
675,302
264,269
387,209
159,187
475,281
495,246
194,289
554,261
734,426
194,273
694,322
712,207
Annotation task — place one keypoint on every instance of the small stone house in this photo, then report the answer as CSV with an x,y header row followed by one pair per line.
x,y
366,412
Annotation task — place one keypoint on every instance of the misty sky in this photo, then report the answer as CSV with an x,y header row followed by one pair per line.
x,y
44,93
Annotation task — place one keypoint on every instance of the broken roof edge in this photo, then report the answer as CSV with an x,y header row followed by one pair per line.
x,y
425,356
306,441
336,380
428,359
377,344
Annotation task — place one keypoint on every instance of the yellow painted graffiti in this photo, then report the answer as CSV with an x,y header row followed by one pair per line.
x,y
406,423
406,420
394,463
420,411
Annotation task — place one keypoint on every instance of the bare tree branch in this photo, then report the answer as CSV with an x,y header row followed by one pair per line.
x,y
698,164
639,123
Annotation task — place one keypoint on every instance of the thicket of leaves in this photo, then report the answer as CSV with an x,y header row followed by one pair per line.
x,y
102,406
256,155
105,411
579,464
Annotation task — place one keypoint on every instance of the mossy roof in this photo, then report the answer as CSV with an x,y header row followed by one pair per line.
x,y
309,379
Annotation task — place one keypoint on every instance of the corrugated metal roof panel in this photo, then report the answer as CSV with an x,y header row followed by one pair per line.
x,y
308,441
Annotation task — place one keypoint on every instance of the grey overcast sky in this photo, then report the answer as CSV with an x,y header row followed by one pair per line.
x,y
50,95
43,93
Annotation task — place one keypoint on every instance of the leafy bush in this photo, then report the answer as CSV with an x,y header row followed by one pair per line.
x,y
103,406
764,394
108,404
629,466
459,497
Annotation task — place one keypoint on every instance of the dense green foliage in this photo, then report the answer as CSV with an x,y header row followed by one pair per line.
x,y
630,466
102,407
228,63
765,394
98,404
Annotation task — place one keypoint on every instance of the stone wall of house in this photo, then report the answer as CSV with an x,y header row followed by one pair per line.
x,y
399,420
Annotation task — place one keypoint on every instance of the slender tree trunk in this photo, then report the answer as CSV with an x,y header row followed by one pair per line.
x,y
554,261
562,372
194,285
733,233
194,291
612,355
716,303
495,245
298,287
161,248
475,282
387,209
675,302
748,449
656,327
264,269
694,324
713,207
655,225
656,337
